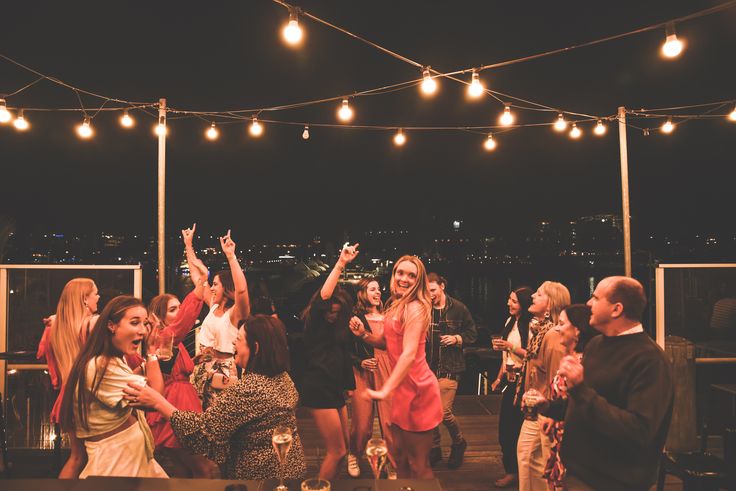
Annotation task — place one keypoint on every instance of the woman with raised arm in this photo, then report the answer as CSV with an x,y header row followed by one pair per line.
x,y
116,436
229,303
329,371
65,334
172,320
416,406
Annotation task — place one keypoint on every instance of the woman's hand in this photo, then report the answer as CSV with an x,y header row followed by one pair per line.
x,y
547,425
502,345
142,396
370,364
357,327
228,246
188,235
377,395
348,253
495,384
153,333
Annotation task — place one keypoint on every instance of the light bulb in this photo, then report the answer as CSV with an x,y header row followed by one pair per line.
x,y
668,127
160,129
399,138
85,130
345,113
490,143
429,85
732,115
475,89
506,119
600,128
5,115
560,124
212,133
672,46
293,32
20,122
575,132
256,129
305,133
126,120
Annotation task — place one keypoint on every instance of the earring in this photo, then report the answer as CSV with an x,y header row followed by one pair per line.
x,y
546,315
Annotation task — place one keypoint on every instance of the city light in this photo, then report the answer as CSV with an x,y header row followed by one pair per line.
x,y
345,113
5,115
575,132
85,130
20,122
475,89
293,32
490,143
600,128
126,121
160,129
305,133
732,115
212,133
560,124
672,46
255,129
506,119
668,127
399,138
429,85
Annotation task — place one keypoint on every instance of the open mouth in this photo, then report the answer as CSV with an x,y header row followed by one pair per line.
x,y
137,342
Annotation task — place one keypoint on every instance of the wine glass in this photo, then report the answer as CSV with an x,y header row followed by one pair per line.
x,y
281,444
315,484
377,452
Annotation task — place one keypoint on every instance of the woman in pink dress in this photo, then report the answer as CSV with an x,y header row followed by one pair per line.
x,y
416,406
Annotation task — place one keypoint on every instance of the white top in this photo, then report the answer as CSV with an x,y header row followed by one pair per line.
x,y
634,330
515,339
218,332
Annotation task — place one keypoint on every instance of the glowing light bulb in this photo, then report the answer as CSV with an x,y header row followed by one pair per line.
x,y
668,127
600,128
732,115
575,132
256,129
160,129
293,32
506,119
85,130
345,113
20,122
126,121
212,133
429,85
490,143
5,115
560,124
399,138
305,133
672,46
475,89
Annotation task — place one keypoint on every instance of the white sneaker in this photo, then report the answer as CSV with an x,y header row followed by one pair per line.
x,y
353,467
391,472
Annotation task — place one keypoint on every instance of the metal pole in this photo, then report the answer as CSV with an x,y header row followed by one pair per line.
x,y
623,152
162,199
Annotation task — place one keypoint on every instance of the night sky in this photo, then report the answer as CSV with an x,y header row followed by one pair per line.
x,y
223,55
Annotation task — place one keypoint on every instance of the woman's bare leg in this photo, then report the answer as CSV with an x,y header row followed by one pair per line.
x,y
77,459
330,427
415,448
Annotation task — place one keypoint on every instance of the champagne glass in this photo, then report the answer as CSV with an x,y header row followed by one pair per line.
x,y
281,440
315,484
377,453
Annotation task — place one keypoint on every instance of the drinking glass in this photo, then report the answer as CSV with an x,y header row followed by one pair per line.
x,y
281,440
377,452
165,346
315,484
530,399
494,342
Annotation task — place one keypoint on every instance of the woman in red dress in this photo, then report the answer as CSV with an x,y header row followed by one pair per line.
x,y
416,406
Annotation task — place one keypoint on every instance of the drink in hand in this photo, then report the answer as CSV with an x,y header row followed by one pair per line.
x,y
531,397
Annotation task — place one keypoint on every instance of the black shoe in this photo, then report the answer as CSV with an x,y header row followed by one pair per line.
x,y
457,453
435,456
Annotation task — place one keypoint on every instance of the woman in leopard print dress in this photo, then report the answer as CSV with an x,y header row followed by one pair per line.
x,y
236,430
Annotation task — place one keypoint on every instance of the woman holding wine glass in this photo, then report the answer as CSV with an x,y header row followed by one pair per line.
x,y
237,430
416,406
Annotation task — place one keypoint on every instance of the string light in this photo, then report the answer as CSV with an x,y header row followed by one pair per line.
x,y
126,121
345,113
160,129
506,119
672,46
475,89
732,115
305,133
20,122
5,115
490,143
429,85
575,132
212,133
399,138
668,127
600,128
293,32
560,124
256,129
85,130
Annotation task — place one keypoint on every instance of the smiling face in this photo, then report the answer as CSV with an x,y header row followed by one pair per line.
x,y
373,293
436,293
128,334
569,334
217,290
405,277
172,308
513,304
91,299
242,350
540,303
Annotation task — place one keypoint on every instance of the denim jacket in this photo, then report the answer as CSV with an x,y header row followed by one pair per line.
x,y
453,319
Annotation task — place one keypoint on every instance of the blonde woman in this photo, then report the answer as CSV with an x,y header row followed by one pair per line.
x,y
63,338
543,354
416,406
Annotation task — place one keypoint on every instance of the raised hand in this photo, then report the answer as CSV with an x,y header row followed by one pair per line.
x,y
357,327
188,235
348,253
227,244
203,271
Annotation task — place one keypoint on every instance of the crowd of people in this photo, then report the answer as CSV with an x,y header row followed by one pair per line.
x,y
586,394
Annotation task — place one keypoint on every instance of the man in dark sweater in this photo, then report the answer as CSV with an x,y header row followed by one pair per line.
x,y
620,397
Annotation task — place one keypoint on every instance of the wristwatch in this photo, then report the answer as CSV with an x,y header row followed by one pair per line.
x,y
152,357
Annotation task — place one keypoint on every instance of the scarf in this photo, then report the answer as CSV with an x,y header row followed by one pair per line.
x,y
554,470
538,329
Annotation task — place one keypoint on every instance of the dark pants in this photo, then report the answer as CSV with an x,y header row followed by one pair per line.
x,y
509,424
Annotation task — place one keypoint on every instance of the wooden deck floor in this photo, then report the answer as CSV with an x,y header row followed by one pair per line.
x,y
478,418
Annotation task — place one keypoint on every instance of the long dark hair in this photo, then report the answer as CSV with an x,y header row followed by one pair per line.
x,y
362,304
524,295
99,344
316,309
266,338
579,315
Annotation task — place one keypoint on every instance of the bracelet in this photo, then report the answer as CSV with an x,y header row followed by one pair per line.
x,y
152,357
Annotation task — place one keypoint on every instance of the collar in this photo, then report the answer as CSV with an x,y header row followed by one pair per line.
x,y
634,330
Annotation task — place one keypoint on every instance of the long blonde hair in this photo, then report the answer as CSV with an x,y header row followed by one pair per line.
x,y
71,314
559,298
419,292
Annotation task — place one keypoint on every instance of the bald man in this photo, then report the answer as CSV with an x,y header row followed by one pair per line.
x,y
620,396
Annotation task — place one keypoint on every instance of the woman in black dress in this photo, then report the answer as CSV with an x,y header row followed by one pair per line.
x,y
329,370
